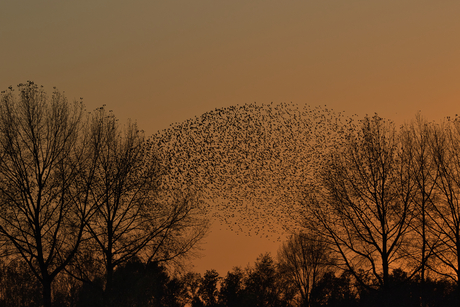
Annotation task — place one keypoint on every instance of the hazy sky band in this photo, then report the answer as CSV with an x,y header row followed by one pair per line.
x,y
190,56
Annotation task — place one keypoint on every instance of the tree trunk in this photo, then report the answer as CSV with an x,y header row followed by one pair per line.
x,y
46,283
108,286
424,260
458,269
108,293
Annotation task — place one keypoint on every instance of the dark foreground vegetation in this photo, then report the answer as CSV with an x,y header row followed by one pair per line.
x,y
93,214
263,284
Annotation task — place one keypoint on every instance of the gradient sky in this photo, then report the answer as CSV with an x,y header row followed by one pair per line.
x,y
161,62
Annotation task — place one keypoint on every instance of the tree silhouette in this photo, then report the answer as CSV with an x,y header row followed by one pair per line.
x,y
191,282
303,259
232,288
18,285
77,188
137,284
208,291
419,135
446,210
262,287
363,205
335,291
133,217
44,204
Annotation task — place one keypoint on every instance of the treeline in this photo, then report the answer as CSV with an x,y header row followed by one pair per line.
x,y
268,282
135,283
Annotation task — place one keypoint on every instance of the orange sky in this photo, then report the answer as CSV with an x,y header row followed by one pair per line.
x,y
161,62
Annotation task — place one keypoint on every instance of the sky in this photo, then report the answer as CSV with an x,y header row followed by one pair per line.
x,y
162,62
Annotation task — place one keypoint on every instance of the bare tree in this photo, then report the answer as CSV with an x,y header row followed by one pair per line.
x,y
43,202
135,216
418,135
363,202
303,259
446,212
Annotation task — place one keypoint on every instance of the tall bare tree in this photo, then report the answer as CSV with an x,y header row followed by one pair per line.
x,y
446,212
363,202
135,215
418,135
304,259
43,202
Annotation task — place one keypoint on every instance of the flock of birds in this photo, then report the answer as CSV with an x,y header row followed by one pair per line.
x,y
249,164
